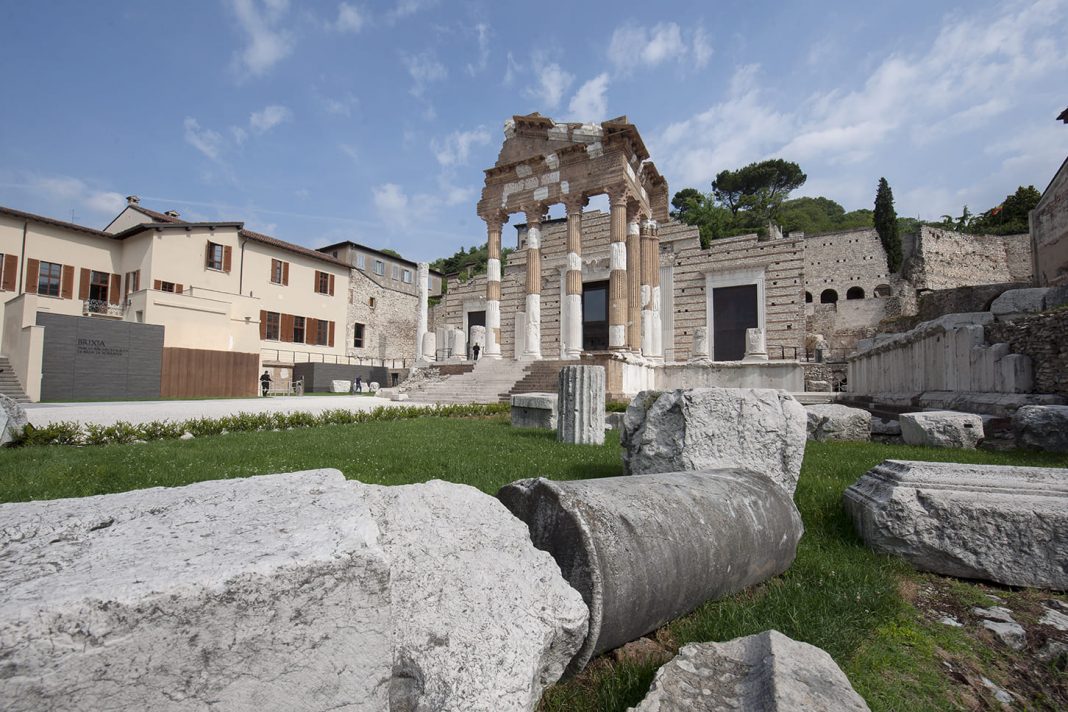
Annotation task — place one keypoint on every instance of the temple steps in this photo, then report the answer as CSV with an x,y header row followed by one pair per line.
x,y
488,382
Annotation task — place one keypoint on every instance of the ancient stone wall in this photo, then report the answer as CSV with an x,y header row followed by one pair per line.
x,y
390,325
944,259
1043,337
782,262
1049,228
974,298
844,260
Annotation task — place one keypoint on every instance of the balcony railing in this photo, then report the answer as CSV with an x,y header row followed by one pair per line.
x,y
101,307
284,356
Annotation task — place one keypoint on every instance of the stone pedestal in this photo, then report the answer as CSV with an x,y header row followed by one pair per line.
x,y
581,405
458,345
430,347
534,410
755,349
700,352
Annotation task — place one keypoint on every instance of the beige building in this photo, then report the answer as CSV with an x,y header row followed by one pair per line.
x,y
215,288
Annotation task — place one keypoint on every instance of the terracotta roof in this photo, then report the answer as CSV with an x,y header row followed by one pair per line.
x,y
50,221
158,217
346,243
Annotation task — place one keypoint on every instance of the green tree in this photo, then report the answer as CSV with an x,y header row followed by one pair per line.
x,y
820,214
391,253
1010,217
885,218
758,189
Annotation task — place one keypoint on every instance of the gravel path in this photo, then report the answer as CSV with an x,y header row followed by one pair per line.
x,y
145,411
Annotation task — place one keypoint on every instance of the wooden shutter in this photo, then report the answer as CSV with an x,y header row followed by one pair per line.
x,y
311,331
11,269
136,280
285,274
177,289
263,324
157,284
227,257
315,283
33,270
331,285
83,285
207,255
66,282
115,288
287,327
330,335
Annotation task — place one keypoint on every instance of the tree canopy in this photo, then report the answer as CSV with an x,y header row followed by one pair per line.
x,y
758,188
467,262
1009,218
391,253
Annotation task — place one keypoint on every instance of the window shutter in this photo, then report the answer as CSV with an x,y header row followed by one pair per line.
x,y
227,257
285,274
315,284
158,284
263,324
311,331
136,280
287,327
66,282
331,286
83,286
177,289
33,269
115,288
330,335
11,269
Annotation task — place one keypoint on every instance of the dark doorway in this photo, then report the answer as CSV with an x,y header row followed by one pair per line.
x,y
475,318
595,316
734,309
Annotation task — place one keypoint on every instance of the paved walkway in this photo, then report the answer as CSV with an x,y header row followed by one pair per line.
x,y
145,411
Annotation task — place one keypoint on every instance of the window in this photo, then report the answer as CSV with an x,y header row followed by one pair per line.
x,y
298,329
828,296
215,256
324,282
396,272
380,268
272,330
361,262
167,287
133,281
357,336
855,293
406,276
48,279
323,329
279,272
98,286
371,302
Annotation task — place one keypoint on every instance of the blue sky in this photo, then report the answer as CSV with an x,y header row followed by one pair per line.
x,y
372,121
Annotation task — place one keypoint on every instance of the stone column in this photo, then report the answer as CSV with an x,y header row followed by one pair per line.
x,y
654,285
572,329
617,279
650,264
493,285
424,297
580,405
532,350
634,281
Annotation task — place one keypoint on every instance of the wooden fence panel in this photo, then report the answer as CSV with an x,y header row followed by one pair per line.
x,y
198,373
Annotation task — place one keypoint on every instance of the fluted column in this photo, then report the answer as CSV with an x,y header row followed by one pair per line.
x,y
493,285
533,341
580,405
617,278
654,285
572,331
634,282
424,298
648,257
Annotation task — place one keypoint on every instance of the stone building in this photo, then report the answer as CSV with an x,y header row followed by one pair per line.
x,y
1049,231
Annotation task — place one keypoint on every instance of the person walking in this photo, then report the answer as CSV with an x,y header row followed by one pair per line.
x,y
265,383
475,349
357,385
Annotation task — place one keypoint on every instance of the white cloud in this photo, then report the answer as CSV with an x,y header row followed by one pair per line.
x,y
239,134
65,194
349,18
267,44
456,147
633,46
424,69
349,150
391,203
268,117
206,141
406,8
590,102
552,82
482,32
512,69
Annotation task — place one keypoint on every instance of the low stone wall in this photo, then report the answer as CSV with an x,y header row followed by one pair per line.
x,y
1044,338
959,300
625,378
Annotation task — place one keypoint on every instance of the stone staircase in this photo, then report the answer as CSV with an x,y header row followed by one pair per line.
x,y
542,377
9,385
489,381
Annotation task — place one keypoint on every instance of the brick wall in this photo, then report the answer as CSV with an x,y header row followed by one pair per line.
x,y
1043,337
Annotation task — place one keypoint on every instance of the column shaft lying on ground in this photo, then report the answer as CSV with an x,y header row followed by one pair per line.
x,y
647,549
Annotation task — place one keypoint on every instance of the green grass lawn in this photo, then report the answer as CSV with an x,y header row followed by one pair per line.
x,y
869,612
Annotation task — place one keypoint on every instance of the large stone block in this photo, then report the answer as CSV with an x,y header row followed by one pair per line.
x,y
13,420
647,549
251,594
756,429
942,428
340,386
581,393
482,621
765,672
534,410
1044,427
831,421
1015,303
1003,524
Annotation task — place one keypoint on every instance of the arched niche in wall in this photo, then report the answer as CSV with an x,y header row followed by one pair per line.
x,y
883,290
828,296
855,293
808,297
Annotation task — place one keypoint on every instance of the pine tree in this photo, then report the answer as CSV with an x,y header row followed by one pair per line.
x,y
886,225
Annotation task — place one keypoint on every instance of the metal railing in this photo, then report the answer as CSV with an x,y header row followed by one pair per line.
x,y
101,307
286,356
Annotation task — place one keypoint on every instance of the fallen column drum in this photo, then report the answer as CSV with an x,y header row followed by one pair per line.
x,y
643,550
